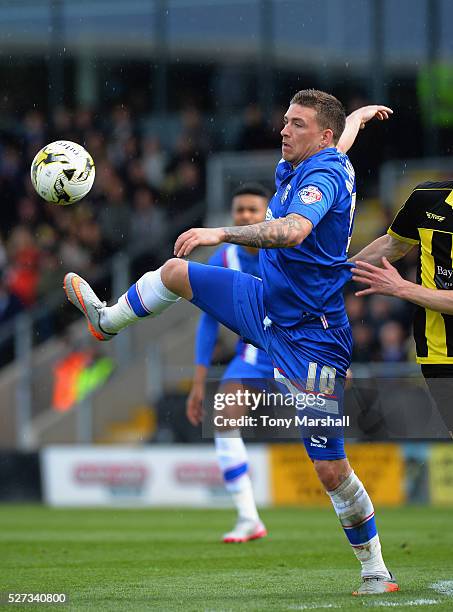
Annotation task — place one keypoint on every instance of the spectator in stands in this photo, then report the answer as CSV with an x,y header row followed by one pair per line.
x,y
148,226
121,132
11,179
62,124
185,198
255,133
10,304
381,310
73,253
28,213
356,309
114,216
23,270
34,129
364,346
154,161
392,342
194,132
91,238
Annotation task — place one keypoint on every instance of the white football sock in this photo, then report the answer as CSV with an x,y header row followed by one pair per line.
x,y
233,462
147,297
120,315
356,513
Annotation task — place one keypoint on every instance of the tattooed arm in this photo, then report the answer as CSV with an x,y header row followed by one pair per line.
x,y
285,232
280,233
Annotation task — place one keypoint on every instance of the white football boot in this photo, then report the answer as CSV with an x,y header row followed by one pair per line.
x,y
376,585
245,530
79,293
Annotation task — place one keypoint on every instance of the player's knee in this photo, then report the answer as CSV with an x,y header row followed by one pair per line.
x,y
175,277
331,473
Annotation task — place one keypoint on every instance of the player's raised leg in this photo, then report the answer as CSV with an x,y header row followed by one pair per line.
x,y
151,295
214,290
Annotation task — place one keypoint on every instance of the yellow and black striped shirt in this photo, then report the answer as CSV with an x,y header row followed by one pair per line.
x,y
426,219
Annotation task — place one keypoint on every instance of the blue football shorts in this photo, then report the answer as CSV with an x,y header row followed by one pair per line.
x,y
256,376
312,359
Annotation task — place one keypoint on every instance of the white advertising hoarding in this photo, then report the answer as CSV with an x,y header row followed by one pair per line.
x,y
176,475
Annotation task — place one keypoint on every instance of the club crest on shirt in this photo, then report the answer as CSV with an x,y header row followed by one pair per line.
x,y
285,194
310,194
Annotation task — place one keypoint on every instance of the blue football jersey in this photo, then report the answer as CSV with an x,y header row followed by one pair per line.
x,y
236,258
307,280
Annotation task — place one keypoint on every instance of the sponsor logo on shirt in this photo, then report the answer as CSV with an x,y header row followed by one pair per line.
x,y
310,194
269,215
435,217
443,278
285,194
444,271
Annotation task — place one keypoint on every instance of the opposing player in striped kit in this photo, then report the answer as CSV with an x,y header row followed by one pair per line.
x,y
249,369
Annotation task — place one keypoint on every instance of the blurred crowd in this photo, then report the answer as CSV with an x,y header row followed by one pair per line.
x,y
144,192
148,188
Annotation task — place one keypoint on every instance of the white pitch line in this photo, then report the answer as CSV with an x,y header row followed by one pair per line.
x,y
443,587
400,604
313,606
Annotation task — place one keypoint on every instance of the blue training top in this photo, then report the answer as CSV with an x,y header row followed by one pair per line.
x,y
237,258
306,281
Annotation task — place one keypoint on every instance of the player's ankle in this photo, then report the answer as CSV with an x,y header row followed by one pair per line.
x,y
251,516
105,322
113,319
378,573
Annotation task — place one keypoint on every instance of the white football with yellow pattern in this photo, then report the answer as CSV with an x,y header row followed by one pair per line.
x,y
62,172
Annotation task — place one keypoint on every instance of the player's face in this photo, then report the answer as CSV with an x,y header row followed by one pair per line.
x,y
248,209
301,134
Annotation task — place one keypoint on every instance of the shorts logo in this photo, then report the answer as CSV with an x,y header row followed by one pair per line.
x,y
310,194
318,441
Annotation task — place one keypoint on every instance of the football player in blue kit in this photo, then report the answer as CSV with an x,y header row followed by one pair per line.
x,y
296,312
249,369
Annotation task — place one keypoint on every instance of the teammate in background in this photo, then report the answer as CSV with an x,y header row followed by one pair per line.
x,y
296,312
249,206
425,219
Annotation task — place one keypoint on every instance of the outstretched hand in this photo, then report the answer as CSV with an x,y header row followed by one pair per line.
x,y
357,120
199,236
386,280
372,111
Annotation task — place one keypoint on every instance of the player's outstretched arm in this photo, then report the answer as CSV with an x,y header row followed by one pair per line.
x,y
288,231
388,281
385,246
357,120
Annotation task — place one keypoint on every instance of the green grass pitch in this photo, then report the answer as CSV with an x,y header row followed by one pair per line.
x,y
173,559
